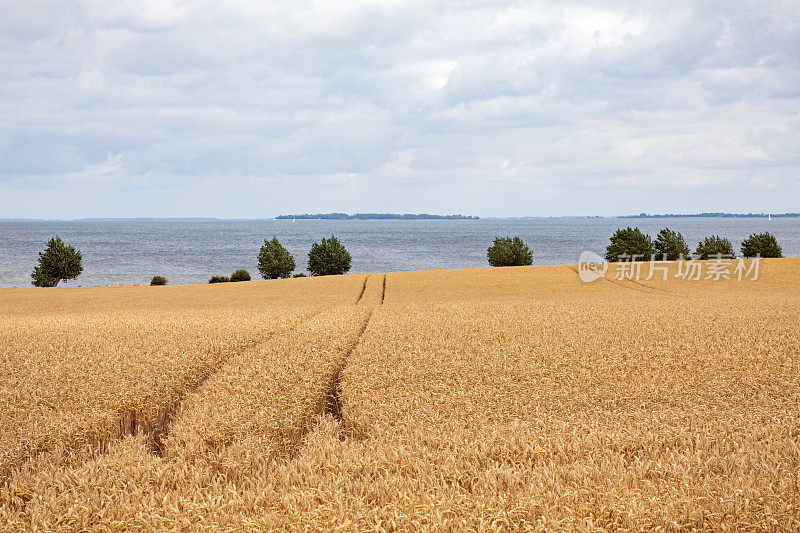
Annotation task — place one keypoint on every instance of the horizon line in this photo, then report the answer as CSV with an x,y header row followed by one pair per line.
x,y
720,214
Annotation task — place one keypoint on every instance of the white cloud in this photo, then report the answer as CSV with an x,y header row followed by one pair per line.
x,y
493,108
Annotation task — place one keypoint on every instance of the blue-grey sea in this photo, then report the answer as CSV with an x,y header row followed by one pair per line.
x,y
190,251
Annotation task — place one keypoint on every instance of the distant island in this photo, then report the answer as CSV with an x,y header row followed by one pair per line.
x,y
717,215
374,216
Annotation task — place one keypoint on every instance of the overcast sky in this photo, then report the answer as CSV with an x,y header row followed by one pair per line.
x,y
248,109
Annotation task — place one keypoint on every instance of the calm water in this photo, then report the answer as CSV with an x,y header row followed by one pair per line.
x,y
131,252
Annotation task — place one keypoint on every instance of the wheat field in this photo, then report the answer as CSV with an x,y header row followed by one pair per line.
x,y
475,399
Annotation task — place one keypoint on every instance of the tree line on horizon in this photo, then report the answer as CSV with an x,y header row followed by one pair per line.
x,y
634,245
326,258
62,262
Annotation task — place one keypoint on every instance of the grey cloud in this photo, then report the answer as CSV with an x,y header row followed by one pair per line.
x,y
397,106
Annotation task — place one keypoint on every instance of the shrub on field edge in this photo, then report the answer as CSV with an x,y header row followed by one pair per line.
x,y
714,246
670,245
328,258
240,275
275,261
158,280
761,244
629,244
509,251
58,262
219,279
300,275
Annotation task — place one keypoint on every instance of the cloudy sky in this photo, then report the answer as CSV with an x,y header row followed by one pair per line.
x,y
247,109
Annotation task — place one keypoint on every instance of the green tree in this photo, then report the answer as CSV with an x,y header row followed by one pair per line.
x,y
58,262
275,261
714,246
158,280
328,257
240,275
670,244
761,244
219,279
629,244
509,251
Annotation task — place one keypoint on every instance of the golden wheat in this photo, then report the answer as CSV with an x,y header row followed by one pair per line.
x,y
255,410
78,379
614,415
483,399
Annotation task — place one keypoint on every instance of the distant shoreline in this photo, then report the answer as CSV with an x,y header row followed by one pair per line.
x,y
716,215
390,216
374,216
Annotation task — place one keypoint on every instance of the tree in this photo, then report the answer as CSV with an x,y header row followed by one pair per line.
x,y
158,280
629,244
58,262
714,246
670,245
219,279
761,244
509,251
240,275
328,258
275,261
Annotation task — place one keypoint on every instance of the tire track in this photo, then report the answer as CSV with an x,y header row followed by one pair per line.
x,y
383,291
629,287
363,289
333,403
619,284
156,430
132,421
665,291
